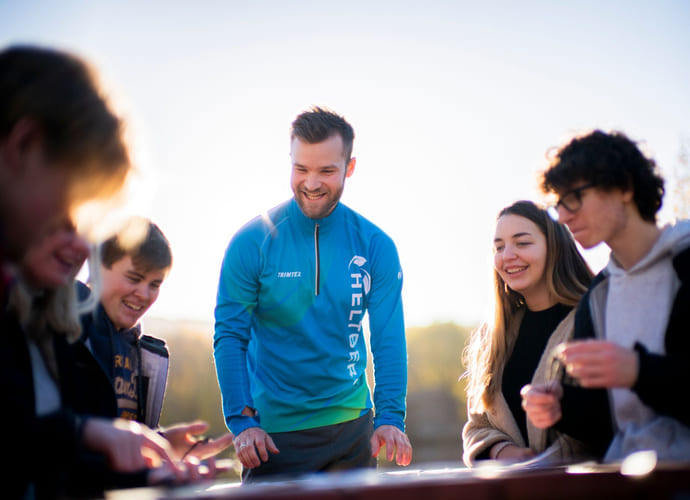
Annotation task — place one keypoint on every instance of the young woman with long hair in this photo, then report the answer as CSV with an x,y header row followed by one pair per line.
x,y
539,276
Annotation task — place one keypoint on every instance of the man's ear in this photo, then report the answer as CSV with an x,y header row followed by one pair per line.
x,y
628,194
24,134
350,169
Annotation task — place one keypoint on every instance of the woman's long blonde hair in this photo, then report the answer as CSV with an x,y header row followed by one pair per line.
x,y
53,311
490,345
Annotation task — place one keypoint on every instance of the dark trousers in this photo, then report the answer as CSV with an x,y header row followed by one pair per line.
x,y
329,448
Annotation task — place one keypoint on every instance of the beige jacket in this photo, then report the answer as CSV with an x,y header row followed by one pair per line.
x,y
497,424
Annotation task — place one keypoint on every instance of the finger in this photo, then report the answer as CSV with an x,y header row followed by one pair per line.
x,y
594,381
254,458
375,446
245,462
536,400
391,448
191,466
271,445
211,469
404,456
261,449
588,348
197,427
213,447
223,465
526,389
221,443
162,452
247,456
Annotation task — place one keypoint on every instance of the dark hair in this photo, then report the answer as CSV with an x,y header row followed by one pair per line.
x,y
61,94
150,251
608,161
319,124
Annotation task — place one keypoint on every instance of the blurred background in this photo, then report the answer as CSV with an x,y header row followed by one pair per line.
x,y
455,105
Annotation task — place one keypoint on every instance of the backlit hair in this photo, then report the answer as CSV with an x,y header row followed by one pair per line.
x,y
567,279
318,124
78,129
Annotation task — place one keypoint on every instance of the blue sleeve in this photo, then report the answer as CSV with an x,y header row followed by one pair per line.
x,y
235,302
387,327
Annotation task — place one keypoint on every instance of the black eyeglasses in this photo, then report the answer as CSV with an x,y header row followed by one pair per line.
x,y
572,200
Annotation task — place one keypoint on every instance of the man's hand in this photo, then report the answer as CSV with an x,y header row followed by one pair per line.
x,y
129,446
600,364
542,403
183,438
396,442
253,445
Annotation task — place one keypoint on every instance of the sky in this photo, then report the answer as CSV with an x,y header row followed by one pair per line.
x,y
454,105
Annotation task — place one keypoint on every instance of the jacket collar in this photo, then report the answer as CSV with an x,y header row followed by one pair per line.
x,y
308,224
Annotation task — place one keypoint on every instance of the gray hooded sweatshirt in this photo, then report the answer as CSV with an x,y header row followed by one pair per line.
x,y
637,308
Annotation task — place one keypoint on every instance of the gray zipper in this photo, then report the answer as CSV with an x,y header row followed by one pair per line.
x,y
316,255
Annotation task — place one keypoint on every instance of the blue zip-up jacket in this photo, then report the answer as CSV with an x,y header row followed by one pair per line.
x,y
289,339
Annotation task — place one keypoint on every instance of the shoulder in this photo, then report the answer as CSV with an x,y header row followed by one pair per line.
x,y
155,345
356,222
262,226
599,280
564,330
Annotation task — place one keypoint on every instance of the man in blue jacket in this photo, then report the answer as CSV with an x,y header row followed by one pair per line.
x,y
289,341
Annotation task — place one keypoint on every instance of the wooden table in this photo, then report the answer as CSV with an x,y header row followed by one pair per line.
x,y
588,481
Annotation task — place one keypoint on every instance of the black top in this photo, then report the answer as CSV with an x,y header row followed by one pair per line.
x,y
535,330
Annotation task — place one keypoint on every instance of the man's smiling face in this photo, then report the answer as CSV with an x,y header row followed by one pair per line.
x,y
318,175
128,292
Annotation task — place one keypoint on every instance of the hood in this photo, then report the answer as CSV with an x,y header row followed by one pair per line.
x,y
673,239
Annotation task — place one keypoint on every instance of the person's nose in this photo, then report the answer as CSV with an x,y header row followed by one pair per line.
x,y
564,215
509,252
312,182
143,291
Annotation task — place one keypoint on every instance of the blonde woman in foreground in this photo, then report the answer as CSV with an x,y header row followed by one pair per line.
x,y
539,276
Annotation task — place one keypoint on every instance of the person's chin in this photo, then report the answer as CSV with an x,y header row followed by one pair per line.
x,y
314,212
585,241
129,320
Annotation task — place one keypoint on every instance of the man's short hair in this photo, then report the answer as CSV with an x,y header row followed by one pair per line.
x,y
78,129
607,161
143,242
318,124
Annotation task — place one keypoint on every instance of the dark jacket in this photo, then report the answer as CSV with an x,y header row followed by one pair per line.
x,y
47,452
587,412
98,333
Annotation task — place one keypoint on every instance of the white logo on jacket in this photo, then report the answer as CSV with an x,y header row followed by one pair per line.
x,y
360,284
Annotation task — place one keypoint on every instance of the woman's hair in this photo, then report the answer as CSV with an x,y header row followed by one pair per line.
x,y
52,312
79,130
44,313
567,279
